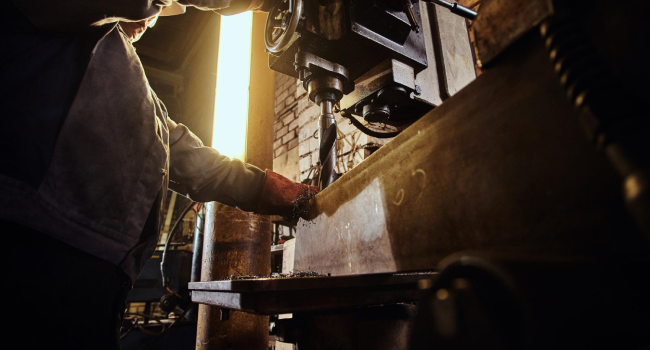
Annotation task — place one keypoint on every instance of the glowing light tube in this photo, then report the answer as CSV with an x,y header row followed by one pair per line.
x,y
233,80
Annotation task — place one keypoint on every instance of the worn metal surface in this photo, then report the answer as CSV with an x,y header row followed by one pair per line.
x,y
326,19
501,166
386,94
358,50
411,50
314,64
501,22
430,91
270,296
288,252
385,74
235,242
450,68
453,51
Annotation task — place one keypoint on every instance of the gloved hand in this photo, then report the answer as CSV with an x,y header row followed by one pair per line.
x,y
281,196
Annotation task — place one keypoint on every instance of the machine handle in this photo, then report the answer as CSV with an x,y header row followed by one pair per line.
x,y
408,9
455,8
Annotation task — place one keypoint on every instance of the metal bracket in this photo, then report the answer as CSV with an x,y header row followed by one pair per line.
x,y
308,65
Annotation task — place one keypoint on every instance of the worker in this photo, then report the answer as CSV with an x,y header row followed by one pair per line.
x,y
87,154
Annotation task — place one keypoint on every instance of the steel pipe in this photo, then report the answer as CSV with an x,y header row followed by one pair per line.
x,y
235,242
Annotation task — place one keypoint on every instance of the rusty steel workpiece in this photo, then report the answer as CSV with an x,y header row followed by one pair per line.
x,y
268,296
413,202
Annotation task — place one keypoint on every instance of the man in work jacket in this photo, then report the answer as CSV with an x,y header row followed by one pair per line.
x,y
88,152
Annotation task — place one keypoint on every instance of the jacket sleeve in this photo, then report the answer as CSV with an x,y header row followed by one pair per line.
x,y
76,15
230,7
207,5
203,174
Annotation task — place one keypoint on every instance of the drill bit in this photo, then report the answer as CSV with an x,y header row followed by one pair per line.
x,y
327,153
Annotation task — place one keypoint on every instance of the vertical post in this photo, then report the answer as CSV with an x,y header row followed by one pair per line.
x,y
197,259
197,256
237,242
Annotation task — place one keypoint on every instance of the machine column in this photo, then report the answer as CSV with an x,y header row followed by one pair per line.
x,y
236,243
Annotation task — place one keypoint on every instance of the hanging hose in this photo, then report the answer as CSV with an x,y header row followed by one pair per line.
x,y
365,130
163,261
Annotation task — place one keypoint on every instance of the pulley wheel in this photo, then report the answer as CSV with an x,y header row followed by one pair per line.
x,y
281,24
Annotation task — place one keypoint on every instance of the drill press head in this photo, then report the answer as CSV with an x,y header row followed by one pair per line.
x,y
329,44
368,57
326,82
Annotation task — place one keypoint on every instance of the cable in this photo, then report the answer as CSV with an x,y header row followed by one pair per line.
x,y
153,317
136,325
127,332
150,333
145,331
163,261
365,130
158,335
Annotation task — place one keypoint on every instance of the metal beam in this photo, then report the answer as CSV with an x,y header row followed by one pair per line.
x,y
272,296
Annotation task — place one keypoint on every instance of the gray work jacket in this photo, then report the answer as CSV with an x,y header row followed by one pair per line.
x,y
114,158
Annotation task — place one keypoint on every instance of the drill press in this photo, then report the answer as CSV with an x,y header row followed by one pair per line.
x,y
363,56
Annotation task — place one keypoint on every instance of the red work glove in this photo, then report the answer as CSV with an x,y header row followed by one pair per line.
x,y
281,196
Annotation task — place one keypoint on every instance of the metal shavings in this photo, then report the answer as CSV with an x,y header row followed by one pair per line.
x,y
301,274
423,273
302,203
234,277
291,274
306,223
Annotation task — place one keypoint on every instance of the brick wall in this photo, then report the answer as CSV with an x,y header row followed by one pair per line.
x,y
285,145
286,121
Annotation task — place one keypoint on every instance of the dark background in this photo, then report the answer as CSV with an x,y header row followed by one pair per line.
x,y
179,55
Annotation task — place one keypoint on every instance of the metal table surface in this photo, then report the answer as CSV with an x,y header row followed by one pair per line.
x,y
268,296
